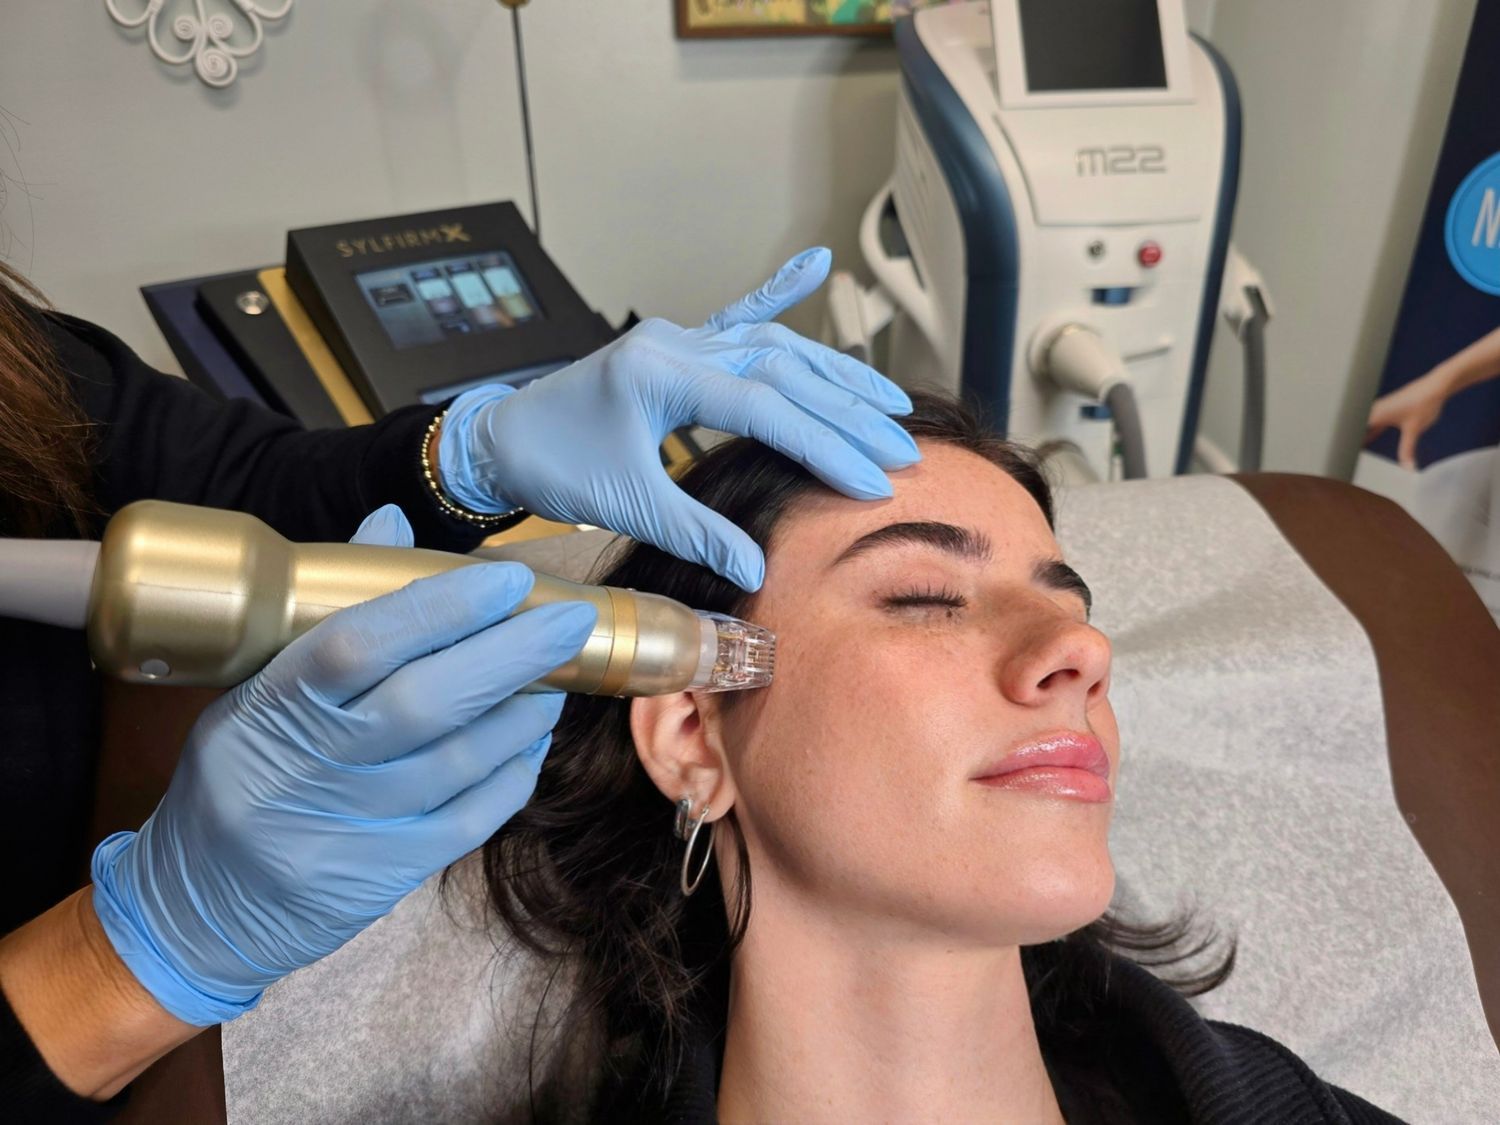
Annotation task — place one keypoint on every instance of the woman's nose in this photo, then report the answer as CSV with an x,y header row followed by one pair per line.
x,y
1055,657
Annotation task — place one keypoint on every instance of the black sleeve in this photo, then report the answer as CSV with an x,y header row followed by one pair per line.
x,y
162,438
1278,1086
29,1091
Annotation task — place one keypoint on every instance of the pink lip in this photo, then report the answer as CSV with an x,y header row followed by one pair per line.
x,y
1063,764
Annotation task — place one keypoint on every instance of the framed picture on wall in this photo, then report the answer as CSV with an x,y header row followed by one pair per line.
x,y
741,18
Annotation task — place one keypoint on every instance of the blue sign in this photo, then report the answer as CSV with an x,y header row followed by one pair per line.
x,y
1472,231
1438,410
1452,298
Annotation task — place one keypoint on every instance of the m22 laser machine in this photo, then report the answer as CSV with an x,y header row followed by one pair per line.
x,y
1054,238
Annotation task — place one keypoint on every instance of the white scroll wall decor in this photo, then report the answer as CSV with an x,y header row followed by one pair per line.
x,y
200,33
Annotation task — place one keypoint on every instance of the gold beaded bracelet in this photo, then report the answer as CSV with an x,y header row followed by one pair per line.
x,y
457,511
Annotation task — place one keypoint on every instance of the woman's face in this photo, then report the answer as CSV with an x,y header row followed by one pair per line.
x,y
921,641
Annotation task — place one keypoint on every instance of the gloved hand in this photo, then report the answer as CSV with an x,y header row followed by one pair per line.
x,y
383,744
581,445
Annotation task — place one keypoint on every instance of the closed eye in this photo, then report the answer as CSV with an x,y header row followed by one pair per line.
x,y
927,596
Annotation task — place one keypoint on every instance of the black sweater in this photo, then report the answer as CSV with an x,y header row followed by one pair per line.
x,y
160,437
1162,1062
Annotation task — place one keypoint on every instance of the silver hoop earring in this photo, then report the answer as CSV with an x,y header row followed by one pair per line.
x,y
686,829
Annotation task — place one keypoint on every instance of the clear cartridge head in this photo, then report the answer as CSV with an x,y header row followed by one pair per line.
x,y
735,655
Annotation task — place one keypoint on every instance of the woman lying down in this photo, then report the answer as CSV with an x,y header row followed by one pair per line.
x,y
876,890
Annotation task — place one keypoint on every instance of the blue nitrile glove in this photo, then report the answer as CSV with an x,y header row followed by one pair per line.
x,y
581,445
379,747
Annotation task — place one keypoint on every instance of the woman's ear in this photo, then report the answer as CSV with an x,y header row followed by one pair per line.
x,y
676,737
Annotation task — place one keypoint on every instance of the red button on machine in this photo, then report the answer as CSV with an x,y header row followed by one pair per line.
x,y
1148,254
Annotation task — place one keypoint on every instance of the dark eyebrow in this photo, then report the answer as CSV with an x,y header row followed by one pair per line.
x,y
1058,575
968,544
961,541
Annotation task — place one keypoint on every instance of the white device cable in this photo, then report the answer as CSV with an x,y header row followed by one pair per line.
x,y
47,580
1245,305
1126,415
1247,315
1253,420
1077,359
897,275
1211,458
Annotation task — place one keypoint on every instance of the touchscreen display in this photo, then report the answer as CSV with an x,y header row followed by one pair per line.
x,y
429,302
1092,45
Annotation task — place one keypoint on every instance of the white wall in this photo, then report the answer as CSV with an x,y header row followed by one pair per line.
x,y
1345,102
673,174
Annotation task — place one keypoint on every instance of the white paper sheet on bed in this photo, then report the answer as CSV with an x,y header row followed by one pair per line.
x,y
1254,783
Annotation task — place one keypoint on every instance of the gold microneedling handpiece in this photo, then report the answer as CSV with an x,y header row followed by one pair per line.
x,y
200,596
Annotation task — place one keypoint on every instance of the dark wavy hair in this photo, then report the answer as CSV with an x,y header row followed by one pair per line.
x,y
46,477
588,871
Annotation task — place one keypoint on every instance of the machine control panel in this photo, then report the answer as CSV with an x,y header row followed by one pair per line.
x,y
420,307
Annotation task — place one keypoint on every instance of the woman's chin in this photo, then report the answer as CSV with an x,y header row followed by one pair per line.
x,y
1061,903
1046,904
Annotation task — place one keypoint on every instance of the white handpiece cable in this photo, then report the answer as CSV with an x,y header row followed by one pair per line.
x,y
1077,359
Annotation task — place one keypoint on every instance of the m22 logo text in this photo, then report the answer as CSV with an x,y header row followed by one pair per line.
x,y
1120,160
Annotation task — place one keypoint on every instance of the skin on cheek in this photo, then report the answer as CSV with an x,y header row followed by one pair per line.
x,y
784,751
900,673
839,753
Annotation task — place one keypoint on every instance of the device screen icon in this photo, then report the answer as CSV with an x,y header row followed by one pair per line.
x,y
508,290
437,300
472,291
385,296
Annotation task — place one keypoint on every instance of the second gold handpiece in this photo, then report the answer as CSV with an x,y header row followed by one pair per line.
x,y
200,596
